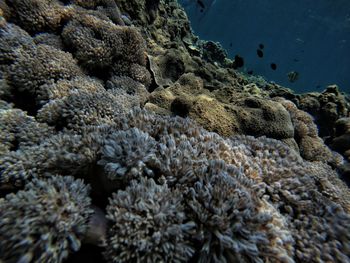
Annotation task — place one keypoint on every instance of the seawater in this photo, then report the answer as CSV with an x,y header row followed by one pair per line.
x,y
307,37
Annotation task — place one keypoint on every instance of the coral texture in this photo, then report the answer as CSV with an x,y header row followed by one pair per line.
x,y
45,221
145,232
121,94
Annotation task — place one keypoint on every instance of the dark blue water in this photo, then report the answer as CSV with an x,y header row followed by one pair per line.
x,y
310,37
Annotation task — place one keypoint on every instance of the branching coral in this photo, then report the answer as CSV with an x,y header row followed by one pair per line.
x,y
279,188
44,222
67,154
108,7
149,225
49,39
177,192
85,108
64,88
126,154
18,130
250,199
40,66
234,225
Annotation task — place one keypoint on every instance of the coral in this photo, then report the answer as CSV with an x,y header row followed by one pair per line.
x,y
219,180
341,143
13,40
85,108
130,86
213,52
67,154
49,39
64,88
45,221
134,71
100,44
38,15
39,66
126,154
302,192
108,7
234,225
326,108
167,67
237,115
18,130
311,146
173,191
260,117
149,225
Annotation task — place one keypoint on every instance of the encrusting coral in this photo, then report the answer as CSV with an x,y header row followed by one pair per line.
x,y
38,15
100,45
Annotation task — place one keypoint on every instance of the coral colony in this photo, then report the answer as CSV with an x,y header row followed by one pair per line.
x,y
124,138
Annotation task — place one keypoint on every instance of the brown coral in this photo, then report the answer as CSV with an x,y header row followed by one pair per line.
x,y
38,15
311,146
100,45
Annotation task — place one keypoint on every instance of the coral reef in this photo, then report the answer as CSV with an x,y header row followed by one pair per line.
x,y
100,46
37,15
311,146
143,232
19,130
326,107
45,221
184,158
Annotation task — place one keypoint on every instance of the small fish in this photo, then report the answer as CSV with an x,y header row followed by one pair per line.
x,y
296,60
250,72
205,5
259,53
201,4
238,62
261,46
230,44
273,66
299,40
293,76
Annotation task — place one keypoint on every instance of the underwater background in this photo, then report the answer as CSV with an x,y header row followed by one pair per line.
x,y
299,36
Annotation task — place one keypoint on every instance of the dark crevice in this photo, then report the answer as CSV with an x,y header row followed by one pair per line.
x,y
14,144
25,101
87,254
153,84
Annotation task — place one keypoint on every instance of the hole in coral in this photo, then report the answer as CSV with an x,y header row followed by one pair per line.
x,y
153,84
25,101
87,254
14,145
180,107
